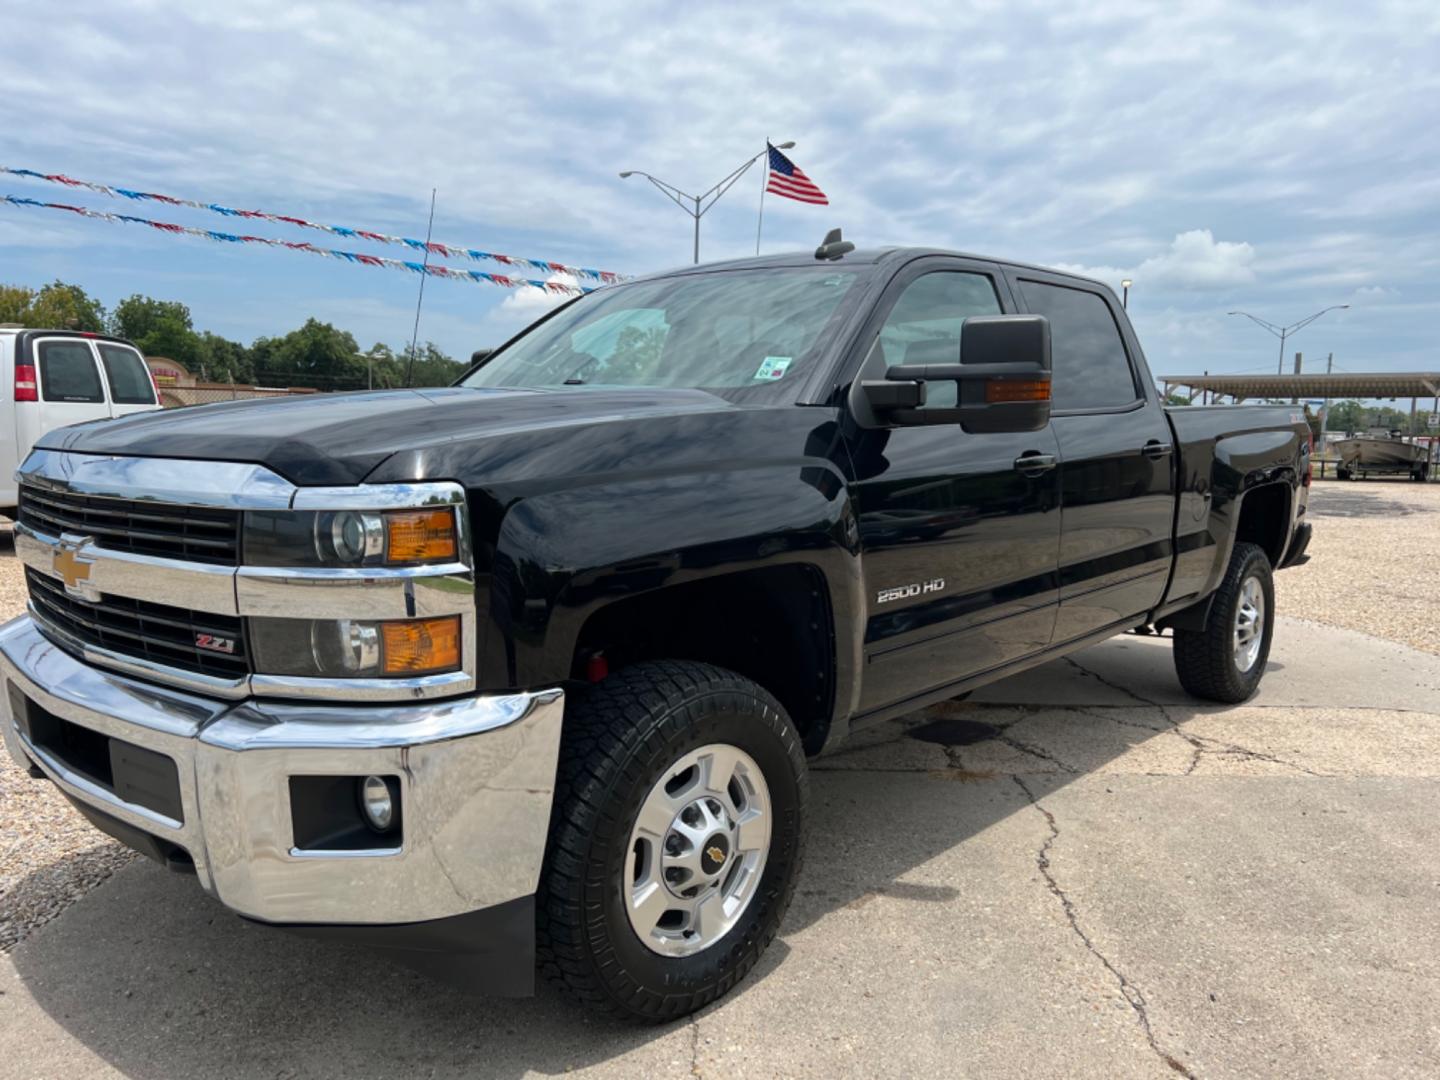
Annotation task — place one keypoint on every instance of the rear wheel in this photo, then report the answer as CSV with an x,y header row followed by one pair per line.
x,y
1342,473
1225,661
675,840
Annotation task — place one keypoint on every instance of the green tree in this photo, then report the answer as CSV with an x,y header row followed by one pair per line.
x,y
158,328
1345,416
1354,415
315,355
433,367
137,316
59,306
223,360
169,337
387,369
15,301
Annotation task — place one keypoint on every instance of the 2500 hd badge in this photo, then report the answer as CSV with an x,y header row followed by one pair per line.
x,y
905,592
522,675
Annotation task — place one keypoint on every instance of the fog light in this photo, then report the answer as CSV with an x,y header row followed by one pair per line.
x,y
375,800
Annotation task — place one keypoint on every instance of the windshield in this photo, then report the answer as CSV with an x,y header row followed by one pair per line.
x,y
728,331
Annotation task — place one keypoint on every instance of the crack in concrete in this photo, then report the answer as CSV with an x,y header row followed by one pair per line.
x,y
1103,681
1128,989
1201,744
695,1046
1036,751
1215,746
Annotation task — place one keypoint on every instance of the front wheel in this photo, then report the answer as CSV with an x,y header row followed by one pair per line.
x,y
675,841
1225,661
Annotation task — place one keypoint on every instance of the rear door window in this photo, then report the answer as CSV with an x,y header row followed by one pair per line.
x,y
128,377
1091,369
68,372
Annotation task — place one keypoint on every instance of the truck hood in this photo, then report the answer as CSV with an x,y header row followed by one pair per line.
x,y
342,438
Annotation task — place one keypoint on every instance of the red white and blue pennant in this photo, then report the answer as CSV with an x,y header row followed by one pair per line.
x,y
432,269
433,247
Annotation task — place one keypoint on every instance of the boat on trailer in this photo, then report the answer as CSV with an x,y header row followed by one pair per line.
x,y
1381,452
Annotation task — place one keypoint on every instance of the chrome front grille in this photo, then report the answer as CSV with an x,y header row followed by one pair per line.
x,y
131,561
194,534
157,633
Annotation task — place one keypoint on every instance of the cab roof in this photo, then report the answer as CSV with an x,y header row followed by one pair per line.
x,y
881,256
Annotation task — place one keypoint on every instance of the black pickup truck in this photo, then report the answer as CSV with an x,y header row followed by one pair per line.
x,y
524,673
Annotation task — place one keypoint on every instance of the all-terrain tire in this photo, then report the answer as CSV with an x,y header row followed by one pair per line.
x,y
619,738
1205,660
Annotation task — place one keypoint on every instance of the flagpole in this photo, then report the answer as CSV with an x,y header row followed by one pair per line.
x,y
764,183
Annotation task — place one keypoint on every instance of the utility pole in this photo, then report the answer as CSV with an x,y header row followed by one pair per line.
x,y
1325,408
1283,332
1296,400
697,205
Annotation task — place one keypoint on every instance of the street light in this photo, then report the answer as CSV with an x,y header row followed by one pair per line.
x,y
369,369
1282,332
1125,298
695,205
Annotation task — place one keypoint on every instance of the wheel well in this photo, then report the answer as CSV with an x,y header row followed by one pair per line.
x,y
1265,520
772,625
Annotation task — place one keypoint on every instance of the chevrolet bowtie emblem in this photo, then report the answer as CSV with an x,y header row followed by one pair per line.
x,y
716,854
72,567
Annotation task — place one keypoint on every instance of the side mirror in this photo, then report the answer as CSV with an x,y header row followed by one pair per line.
x,y
1003,379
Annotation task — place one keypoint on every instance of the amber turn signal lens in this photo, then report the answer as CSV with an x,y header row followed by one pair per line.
x,y
998,390
420,536
420,645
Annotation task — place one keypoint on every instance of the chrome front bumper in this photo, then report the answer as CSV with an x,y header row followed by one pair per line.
x,y
476,774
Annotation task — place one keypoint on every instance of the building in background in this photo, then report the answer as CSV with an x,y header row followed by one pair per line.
x,y
178,387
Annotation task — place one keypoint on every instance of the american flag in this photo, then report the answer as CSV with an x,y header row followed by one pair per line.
x,y
786,179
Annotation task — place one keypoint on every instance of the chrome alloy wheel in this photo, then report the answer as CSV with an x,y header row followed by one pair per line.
x,y
1249,624
698,850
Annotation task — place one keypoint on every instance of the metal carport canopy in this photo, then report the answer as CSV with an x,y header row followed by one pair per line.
x,y
1339,384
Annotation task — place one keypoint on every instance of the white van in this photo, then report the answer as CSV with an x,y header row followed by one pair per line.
x,y
50,378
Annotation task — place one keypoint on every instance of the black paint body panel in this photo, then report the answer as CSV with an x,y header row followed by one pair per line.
x,y
583,497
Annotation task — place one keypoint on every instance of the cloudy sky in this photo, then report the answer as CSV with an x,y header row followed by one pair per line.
x,y
1274,158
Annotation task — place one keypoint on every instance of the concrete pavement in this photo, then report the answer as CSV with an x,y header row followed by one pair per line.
x,y
1077,872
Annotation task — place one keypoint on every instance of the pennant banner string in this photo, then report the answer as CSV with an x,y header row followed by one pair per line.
x,y
433,269
434,247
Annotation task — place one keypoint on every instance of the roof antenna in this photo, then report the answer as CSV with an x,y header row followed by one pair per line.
x,y
833,247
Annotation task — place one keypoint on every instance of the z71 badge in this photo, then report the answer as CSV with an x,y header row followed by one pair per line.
x,y
904,592
215,643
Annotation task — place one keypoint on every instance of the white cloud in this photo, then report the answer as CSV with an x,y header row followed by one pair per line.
x,y
1194,259
1087,135
530,303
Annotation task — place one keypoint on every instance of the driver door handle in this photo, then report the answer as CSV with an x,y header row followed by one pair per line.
x,y
1155,449
1033,463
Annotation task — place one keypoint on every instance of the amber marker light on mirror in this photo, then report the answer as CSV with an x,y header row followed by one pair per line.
x,y
418,646
420,536
1000,390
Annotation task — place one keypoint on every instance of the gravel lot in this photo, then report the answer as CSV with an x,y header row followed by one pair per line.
x,y
1375,562
49,855
1372,570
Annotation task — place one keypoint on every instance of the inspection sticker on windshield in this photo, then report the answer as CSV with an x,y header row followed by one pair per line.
x,y
773,367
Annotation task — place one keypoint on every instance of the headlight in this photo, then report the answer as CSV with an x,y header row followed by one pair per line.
x,y
352,536
355,648
340,538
